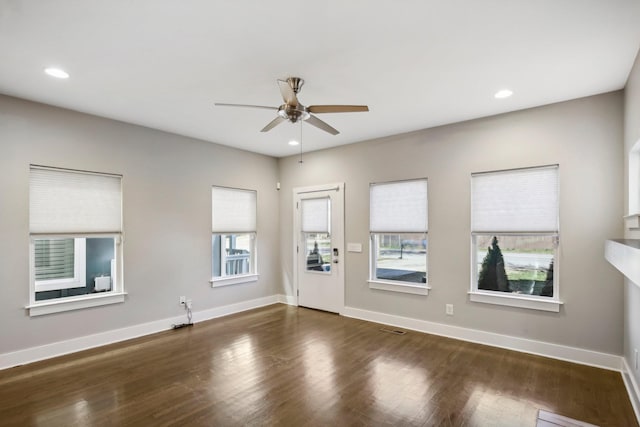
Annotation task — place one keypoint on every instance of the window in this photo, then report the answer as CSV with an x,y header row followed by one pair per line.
x,y
233,236
632,220
514,224
398,227
75,222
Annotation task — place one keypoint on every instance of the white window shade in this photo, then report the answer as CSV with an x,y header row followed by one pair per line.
x,y
315,215
64,201
233,210
399,207
515,200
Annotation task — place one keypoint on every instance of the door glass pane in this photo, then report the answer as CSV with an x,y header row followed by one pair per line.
x,y
318,250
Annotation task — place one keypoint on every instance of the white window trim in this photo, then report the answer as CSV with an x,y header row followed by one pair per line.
x,y
58,305
634,184
403,287
218,282
79,279
516,300
75,303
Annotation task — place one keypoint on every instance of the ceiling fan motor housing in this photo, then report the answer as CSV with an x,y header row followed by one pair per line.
x,y
293,113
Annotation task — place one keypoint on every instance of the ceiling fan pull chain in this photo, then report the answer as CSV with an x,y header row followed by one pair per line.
x,y
300,161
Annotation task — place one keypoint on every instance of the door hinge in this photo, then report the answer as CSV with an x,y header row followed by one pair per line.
x,y
298,292
297,249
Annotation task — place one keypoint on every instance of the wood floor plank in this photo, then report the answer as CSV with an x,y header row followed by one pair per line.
x,y
289,366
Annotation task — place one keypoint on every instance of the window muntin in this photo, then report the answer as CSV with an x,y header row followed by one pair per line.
x,y
398,229
233,225
400,257
515,217
75,239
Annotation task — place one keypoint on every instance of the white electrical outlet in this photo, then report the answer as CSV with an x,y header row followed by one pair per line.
x,y
448,309
189,303
183,300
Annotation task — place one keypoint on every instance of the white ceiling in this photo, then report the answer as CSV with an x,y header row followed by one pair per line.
x,y
416,63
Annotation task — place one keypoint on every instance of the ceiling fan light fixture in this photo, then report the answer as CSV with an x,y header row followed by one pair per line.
x,y
293,113
56,72
503,93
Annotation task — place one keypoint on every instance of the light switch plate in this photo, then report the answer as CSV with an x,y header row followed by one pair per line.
x,y
354,247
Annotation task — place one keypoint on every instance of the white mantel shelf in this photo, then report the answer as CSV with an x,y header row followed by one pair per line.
x,y
624,254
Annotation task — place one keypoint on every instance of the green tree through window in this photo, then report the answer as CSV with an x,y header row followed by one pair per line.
x,y
493,276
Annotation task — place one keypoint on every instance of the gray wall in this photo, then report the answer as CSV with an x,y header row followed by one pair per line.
x,y
167,180
167,183
583,136
632,291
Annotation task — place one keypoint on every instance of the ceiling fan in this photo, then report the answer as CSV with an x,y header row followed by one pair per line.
x,y
293,111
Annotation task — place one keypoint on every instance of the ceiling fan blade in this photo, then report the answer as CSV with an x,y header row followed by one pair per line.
x,y
287,92
275,122
318,109
219,104
313,120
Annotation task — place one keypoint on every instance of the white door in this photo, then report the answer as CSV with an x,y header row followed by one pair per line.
x,y
319,246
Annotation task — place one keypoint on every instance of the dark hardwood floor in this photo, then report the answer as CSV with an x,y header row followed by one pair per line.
x,y
290,366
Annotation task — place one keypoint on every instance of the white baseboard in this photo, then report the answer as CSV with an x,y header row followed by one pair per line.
x,y
226,310
288,299
632,387
556,351
540,348
34,354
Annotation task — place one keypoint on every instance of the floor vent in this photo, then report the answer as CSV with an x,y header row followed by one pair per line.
x,y
393,331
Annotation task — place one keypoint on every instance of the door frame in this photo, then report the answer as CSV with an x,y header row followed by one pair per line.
x,y
339,188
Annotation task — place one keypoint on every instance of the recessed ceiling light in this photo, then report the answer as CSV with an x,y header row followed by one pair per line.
x,y
504,93
294,143
56,72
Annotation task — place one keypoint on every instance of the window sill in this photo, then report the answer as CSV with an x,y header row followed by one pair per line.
x,y
233,280
403,287
74,303
514,300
